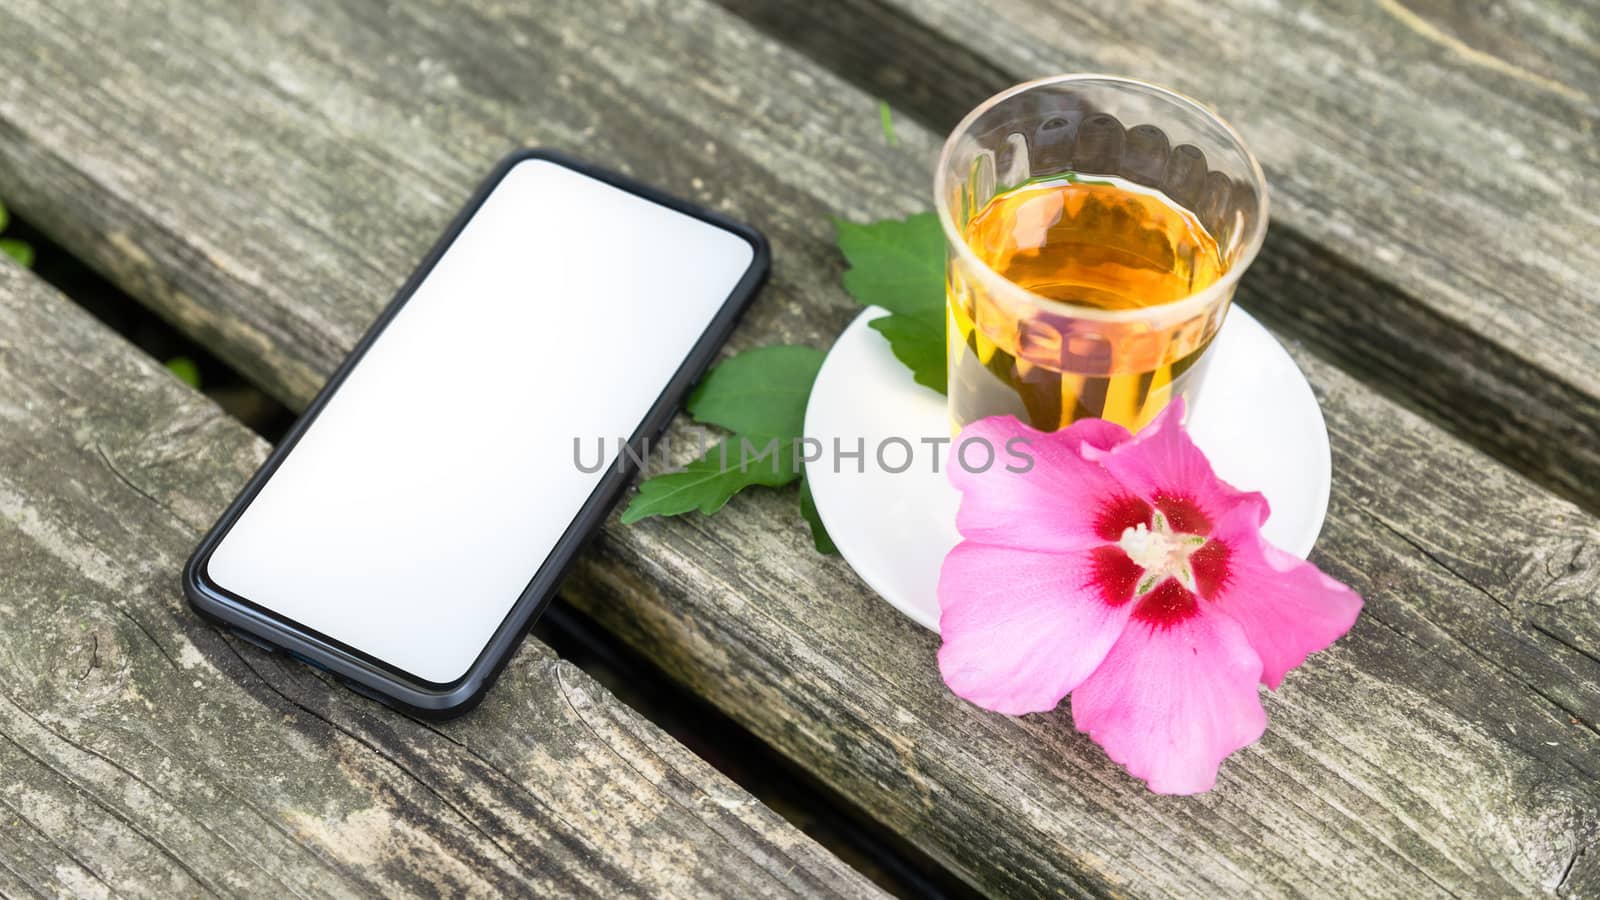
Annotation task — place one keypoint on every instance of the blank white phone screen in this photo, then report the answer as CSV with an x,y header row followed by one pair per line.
x,y
419,504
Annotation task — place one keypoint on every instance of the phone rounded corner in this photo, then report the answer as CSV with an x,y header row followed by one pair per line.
x,y
525,154
453,705
432,702
761,257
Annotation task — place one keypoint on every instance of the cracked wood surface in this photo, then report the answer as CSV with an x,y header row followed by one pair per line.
x,y
268,188
142,753
1432,173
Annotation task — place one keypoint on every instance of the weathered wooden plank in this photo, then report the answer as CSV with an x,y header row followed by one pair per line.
x,y
1431,173
142,753
1432,751
1547,39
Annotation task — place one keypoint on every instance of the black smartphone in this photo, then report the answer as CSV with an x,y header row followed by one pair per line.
x,y
419,516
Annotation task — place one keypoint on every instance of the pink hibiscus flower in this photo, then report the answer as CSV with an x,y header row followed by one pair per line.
x,y
1122,570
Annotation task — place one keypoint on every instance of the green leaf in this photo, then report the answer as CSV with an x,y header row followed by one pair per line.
x,y
759,395
5,217
18,251
187,370
917,341
808,510
708,483
886,119
898,264
761,391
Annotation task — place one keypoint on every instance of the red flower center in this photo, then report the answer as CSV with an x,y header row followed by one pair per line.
x,y
1166,605
1158,555
1114,574
1119,514
1183,514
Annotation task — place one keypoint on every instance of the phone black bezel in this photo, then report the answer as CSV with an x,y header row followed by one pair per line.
x,y
373,677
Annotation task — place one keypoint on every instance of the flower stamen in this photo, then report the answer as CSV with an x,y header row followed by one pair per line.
x,y
1161,552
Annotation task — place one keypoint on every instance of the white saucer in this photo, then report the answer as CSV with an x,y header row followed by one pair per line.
x,y
1254,416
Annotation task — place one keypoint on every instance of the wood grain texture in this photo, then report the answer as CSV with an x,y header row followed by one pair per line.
x,y
1431,167
268,187
1553,41
144,754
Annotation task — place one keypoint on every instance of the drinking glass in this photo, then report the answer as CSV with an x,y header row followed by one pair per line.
x,y
1124,148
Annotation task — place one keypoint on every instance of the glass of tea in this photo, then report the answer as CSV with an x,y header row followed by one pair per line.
x,y
1096,227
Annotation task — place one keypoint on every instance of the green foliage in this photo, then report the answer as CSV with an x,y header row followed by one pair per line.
x,y
17,250
759,395
808,509
898,264
886,119
758,392
917,341
708,483
187,370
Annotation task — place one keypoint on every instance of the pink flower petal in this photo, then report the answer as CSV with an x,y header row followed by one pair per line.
x,y
1287,608
1062,502
1099,434
1162,465
1175,696
1021,628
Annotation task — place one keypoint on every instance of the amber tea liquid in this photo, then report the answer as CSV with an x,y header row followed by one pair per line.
x,y
1094,242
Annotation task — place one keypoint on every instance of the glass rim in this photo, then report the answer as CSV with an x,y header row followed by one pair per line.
x,y
999,283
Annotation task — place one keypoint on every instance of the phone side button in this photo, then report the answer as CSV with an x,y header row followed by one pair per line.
x,y
309,661
363,690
